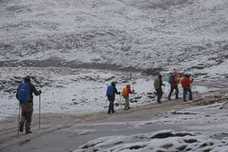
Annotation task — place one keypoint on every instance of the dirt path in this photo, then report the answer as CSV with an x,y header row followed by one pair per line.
x,y
62,132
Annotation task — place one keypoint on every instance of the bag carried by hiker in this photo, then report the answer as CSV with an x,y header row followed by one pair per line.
x,y
110,91
124,92
23,92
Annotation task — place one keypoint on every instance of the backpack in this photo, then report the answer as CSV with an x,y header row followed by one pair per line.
x,y
24,92
110,91
125,92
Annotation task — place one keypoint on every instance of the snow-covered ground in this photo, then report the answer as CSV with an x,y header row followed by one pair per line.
x,y
76,90
74,48
205,129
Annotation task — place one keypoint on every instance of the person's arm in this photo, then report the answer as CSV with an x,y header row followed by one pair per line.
x,y
130,91
191,79
17,94
116,92
35,91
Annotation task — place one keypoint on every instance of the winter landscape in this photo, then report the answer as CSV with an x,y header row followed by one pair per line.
x,y
73,49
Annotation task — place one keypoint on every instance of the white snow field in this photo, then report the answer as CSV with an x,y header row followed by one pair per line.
x,y
68,46
186,34
205,131
79,91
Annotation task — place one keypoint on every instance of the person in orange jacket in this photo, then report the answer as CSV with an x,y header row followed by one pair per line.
x,y
186,83
125,93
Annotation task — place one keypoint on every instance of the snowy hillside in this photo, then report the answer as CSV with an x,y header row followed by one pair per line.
x,y
127,33
58,41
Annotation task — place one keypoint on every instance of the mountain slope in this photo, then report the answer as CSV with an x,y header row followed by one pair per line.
x,y
128,33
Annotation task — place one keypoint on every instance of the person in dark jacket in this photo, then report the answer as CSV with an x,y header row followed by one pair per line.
x,y
27,108
111,93
173,81
158,87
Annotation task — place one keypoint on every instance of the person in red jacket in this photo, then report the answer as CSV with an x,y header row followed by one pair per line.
x,y
186,83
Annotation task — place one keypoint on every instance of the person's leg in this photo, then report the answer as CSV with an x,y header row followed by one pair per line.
x,y
184,94
109,107
28,119
112,106
177,92
126,107
190,93
128,103
159,93
22,121
170,93
27,122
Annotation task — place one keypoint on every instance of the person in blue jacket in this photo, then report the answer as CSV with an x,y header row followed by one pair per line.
x,y
111,93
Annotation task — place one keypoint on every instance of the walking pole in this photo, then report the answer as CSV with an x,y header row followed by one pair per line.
x,y
18,119
39,109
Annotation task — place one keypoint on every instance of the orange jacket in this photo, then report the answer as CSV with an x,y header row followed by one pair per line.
x,y
126,91
186,82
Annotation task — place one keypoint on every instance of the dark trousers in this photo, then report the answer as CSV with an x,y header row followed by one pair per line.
x,y
172,88
111,105
127,104
159,95
26,117
187,91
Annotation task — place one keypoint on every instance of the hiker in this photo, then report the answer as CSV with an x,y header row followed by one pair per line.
x,y
24,94
158,87
110,93
186,83
173,81
125,93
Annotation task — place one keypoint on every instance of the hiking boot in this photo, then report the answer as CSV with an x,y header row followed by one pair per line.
x,y
28,132
21,128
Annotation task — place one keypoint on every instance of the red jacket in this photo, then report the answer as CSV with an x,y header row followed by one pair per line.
x,y
186,82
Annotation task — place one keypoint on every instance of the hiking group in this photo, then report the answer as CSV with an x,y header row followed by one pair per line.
x,y
26,90
175,79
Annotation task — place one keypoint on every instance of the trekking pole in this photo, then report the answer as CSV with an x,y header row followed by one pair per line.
x,y
39,109
18,119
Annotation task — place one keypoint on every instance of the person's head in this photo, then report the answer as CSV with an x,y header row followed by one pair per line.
x,y
159,76
128,86
27,79
172,74
186,75
113,83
